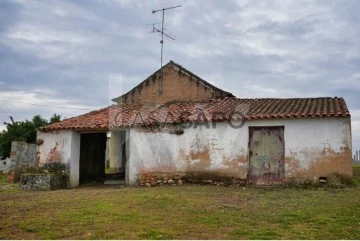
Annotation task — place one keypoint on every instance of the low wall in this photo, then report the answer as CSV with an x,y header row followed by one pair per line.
x,y
42,182
22,156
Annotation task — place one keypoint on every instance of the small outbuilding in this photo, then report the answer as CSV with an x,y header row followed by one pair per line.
x,y
175,124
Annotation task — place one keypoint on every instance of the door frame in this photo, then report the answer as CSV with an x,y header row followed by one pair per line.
x,y
83,135
249,140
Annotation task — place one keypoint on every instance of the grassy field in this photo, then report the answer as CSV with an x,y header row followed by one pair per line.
x,y
181,212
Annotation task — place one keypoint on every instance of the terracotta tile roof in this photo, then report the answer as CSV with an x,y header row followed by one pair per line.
x,y
94,120
123,116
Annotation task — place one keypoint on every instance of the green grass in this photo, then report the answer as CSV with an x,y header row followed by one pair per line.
x,y
356,173
184,212
3,179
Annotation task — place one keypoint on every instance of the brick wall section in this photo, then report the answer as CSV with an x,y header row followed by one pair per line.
x,y
177,86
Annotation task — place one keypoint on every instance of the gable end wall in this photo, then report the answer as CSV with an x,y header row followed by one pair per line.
x,y
177,86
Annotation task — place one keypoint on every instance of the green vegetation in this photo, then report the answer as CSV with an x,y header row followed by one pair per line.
x,y
3,179
181,212
356,172
22,131
51,167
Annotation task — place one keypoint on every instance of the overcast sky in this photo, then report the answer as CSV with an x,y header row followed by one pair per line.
x,y
80,54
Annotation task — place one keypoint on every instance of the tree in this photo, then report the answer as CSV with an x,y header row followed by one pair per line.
x,y
22,131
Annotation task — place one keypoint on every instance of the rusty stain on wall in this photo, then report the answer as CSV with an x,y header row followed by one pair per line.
x,y
163,166
322,163
325,164
198,160
236,167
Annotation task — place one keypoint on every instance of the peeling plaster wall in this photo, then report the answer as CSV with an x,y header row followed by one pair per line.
x,y
199,150
313,147
61,146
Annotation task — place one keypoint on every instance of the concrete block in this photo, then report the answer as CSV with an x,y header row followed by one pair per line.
x,y
42,182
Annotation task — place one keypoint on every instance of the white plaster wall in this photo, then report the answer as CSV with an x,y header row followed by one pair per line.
x,y
127,153
311,139
74,159
115,150
168,152
162,151
67,146
117,140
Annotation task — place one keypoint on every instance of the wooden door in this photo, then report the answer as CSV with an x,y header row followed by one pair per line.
x,y
92,157
266,155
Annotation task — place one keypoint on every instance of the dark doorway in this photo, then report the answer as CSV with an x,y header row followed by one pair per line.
x,y
92,157
266,155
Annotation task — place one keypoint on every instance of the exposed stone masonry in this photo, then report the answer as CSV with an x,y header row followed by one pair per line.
x,y
162,179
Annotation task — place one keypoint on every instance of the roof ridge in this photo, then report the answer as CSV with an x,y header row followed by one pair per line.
x,y
296,98
196,76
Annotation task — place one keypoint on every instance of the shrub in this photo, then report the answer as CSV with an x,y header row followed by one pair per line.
x,y
32,170
49,168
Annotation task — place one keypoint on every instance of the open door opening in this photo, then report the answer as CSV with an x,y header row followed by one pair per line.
x,y
116,168
92,157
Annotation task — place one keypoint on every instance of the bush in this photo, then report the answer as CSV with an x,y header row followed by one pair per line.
x,y
32,170
22,131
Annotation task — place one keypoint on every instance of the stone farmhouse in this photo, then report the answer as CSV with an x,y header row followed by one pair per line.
x,y
176,126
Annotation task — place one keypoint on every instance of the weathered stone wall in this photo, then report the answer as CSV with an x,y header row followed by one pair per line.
x,y
176,86
23,155
314,147
42,182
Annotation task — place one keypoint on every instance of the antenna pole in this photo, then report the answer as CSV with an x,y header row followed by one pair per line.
x,y
162,41
162,51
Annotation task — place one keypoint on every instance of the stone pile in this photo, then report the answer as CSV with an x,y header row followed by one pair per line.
x,y
166,179
150,180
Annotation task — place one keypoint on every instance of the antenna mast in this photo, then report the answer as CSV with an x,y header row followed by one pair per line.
x,y
155,30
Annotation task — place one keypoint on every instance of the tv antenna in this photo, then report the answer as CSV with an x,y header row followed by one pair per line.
x,y
161,31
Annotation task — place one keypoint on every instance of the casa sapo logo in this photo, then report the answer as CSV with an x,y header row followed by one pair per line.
x,y
184,119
